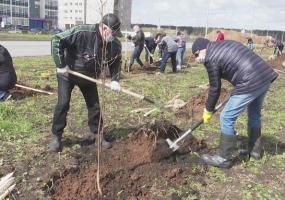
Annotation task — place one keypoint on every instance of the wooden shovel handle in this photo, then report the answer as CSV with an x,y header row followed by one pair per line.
x,y
33,89
108,85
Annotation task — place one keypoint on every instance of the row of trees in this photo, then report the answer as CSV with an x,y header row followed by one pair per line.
x,y
201,30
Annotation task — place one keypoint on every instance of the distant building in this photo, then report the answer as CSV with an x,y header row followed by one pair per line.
x,y
29,13
14,12
49,11
70,13
43,14
74,12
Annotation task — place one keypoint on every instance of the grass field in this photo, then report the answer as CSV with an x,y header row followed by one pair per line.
x,y
24,36
25,130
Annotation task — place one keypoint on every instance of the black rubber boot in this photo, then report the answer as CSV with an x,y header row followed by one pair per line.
x,y
255,147
105,144
224,158
56,144
242,145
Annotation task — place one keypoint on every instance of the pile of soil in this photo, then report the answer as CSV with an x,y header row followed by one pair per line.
x,y
195,106
238,36
277,63
20,93
189,58
132,168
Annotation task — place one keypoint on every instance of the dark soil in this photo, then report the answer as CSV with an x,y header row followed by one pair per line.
x,y
133,167
20,93
196,104
277,63
188,60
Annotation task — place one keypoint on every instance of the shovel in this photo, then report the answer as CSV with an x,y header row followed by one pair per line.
x,y
139,96
173,144
149,53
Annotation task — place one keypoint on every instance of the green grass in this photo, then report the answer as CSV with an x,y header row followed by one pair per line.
x,y
24,36
25,126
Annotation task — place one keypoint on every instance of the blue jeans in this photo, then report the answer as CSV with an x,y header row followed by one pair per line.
x,y
180,56
237,103
165,56
2,93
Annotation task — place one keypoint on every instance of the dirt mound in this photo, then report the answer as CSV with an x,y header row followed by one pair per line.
x,y
189,59
196,104
277,62
20,93
238,36
132,167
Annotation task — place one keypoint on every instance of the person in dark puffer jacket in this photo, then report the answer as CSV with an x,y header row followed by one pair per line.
x,y
251,77
150,46
8,77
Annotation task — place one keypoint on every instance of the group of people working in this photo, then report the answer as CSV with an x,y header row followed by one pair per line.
x,y
89,49
169,47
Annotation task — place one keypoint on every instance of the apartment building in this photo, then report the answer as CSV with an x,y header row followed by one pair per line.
x,y
74,12
70,13
49,12
14,12
29,13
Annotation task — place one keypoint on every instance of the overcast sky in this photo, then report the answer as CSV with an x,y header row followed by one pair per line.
x,y
248,14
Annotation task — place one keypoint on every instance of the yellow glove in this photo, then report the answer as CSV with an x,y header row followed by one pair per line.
x,y
207,116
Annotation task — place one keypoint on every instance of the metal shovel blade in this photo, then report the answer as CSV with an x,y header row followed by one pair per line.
x,y
172,145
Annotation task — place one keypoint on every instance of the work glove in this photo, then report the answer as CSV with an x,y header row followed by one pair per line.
x,y
62,71
207,115
115,86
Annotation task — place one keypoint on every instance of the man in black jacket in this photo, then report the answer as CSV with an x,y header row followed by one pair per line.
x,y
278,47
251,77
8,76
138,41
87,49
150,46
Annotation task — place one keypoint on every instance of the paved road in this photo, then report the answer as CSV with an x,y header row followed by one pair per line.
x,y
42,48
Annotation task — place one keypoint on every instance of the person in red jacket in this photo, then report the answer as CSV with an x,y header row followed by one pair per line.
x,y
220,36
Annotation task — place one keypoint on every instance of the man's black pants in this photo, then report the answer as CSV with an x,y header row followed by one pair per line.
x,y
136,56
147,55
90,94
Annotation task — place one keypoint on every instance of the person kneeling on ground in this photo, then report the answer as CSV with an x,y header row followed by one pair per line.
x,y
85,49
251,77
169,49
8,77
